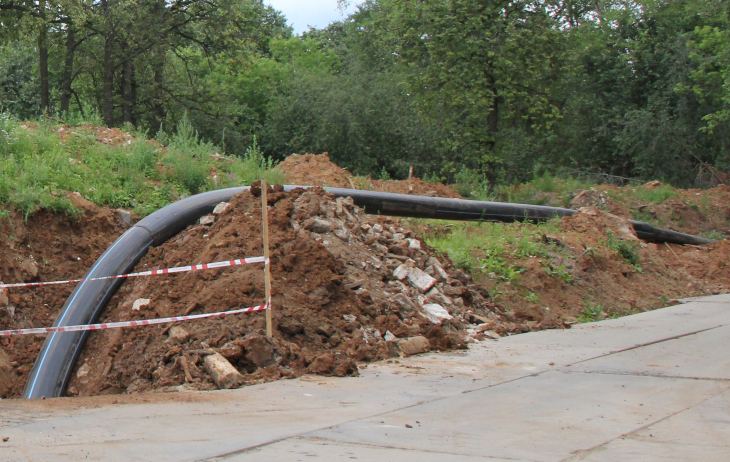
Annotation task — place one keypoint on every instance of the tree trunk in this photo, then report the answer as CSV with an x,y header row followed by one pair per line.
x,y
68,69
108,82
107,77
159,109
43,57
128,96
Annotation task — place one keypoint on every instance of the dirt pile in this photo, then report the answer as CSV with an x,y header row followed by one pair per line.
x,y
593,266
46,247
692,211
319,170
346,289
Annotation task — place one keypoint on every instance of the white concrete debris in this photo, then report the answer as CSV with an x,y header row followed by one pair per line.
x,y
321,226
207,220
222,372
139,303
220,208
401,272
178,334
436,313
420,280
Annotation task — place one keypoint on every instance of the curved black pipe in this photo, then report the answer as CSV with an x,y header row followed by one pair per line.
x,y
60,351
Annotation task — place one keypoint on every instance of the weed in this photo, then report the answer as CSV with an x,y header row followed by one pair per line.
x,y
628,250
591,313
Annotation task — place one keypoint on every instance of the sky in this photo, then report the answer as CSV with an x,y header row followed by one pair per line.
x,y
303,13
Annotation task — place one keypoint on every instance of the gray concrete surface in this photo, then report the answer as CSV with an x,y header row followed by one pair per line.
x,y
653,386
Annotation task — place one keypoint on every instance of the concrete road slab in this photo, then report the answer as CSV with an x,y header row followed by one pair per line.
x,y
622,389
541,418
700,356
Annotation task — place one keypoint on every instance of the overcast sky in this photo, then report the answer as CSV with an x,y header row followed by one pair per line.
x,y
303,13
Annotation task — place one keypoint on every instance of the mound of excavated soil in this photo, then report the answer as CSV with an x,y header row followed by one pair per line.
x,y
346,289
584,270
47,247
692,211
319,170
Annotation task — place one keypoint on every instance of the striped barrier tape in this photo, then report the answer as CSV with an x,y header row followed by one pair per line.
x,y
178,269
116,325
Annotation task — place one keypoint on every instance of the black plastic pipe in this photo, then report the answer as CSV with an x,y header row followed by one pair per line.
x,y
59,352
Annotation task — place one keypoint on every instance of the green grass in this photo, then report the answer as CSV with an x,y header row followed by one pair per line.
x,y
36,169
628,250
492,248
650,195
538,190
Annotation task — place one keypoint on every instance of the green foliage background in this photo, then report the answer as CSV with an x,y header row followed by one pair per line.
x,y
486,91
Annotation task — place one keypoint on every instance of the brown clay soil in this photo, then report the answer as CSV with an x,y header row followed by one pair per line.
x,y
47,247
319,170
347,288
581,277
336,300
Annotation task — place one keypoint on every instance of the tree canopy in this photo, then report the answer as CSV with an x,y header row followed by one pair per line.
x,y
485,89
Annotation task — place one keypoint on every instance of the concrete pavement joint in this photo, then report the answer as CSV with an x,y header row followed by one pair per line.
x,y
581,454
675,337
326,441
646,374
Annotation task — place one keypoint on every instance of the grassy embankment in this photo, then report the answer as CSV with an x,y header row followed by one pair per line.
x,y
39,163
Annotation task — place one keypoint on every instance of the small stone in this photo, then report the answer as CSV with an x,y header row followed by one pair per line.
x,y
438,272
222,372
420,280
139,303
259,350
436,313
349,317
401,272
30,267
220,208
321,226
342,234
414,244
83,370
177,334
207,220
378,228
389,337
475,318
413,345
231,350
125,216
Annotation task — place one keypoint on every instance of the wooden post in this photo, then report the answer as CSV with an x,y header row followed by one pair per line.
x,y
267,271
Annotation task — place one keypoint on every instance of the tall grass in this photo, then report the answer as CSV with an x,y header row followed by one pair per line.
x,y
37,168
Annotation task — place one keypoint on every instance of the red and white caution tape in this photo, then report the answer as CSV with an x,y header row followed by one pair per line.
x,y
178,269
116,325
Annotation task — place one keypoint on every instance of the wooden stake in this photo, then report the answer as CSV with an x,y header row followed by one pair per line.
x,y
267,271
